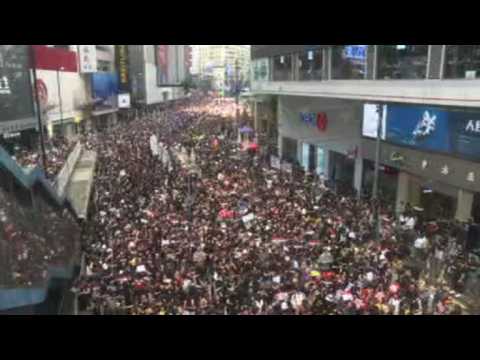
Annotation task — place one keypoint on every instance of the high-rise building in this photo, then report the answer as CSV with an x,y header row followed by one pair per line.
x,y
321,106
157,72
219,61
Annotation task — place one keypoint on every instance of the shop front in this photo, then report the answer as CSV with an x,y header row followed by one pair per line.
x,y
387,184
322,135
436,152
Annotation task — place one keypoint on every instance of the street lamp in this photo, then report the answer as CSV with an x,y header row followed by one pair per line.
x,y
60,97
380,110
39,108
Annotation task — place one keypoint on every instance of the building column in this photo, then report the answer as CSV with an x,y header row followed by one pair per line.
x,y
402,192
255,115
464,205
358,176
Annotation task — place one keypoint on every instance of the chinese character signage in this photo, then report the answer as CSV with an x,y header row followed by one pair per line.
x,y
88,58
121,54
16,94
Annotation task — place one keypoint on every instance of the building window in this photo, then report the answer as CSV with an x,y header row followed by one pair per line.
x,y
103,66
462,62
282,68
349,62
260,69
310,65
402,62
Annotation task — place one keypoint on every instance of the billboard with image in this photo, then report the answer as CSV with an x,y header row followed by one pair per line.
x,y
162,57
16,94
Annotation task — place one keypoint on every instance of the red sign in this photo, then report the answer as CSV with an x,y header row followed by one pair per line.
x,y
48,58
322,122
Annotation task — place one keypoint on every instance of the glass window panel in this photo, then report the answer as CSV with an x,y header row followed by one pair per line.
x,y
282,68
310,65
402,62
349,62
462,61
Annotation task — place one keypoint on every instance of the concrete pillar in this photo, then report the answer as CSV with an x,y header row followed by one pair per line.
x,y
358,175
414,193
464,205
402,192
255,116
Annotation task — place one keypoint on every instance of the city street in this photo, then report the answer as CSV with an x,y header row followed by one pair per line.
x,y
255,243
240,179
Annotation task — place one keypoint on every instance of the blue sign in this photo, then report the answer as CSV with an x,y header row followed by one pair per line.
x,y
309,118
356,52
467,131
104,86
420,127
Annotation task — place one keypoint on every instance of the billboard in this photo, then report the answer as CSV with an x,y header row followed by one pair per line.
x,y
65,88
16,96
427,128
87,55
424,128
467,130
162,57
370,121
105,89
121,55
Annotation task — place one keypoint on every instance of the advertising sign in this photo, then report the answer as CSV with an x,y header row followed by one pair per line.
x,y
105,89
421,127
162,64
121,54
370,121
124,101
356,52
88,58
467,130
16,95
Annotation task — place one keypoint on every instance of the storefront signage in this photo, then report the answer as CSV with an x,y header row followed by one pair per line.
x,y
356,52
88,58
423,128
105,90
124,101
432,129
471,177
121,53
16,94
320,120
4,86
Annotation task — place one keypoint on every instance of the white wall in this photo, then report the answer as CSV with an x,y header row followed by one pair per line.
x,y
344,122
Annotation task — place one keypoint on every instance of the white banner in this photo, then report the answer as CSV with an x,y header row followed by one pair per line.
x,y
154,145
88,58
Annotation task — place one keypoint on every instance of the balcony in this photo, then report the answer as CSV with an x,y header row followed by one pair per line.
x,y
463,93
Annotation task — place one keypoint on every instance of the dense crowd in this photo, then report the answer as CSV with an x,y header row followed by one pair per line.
x,y
238,237
57,150
33,240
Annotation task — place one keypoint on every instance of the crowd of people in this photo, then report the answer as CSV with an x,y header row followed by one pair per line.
x,y
35,237
236,237
57,150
